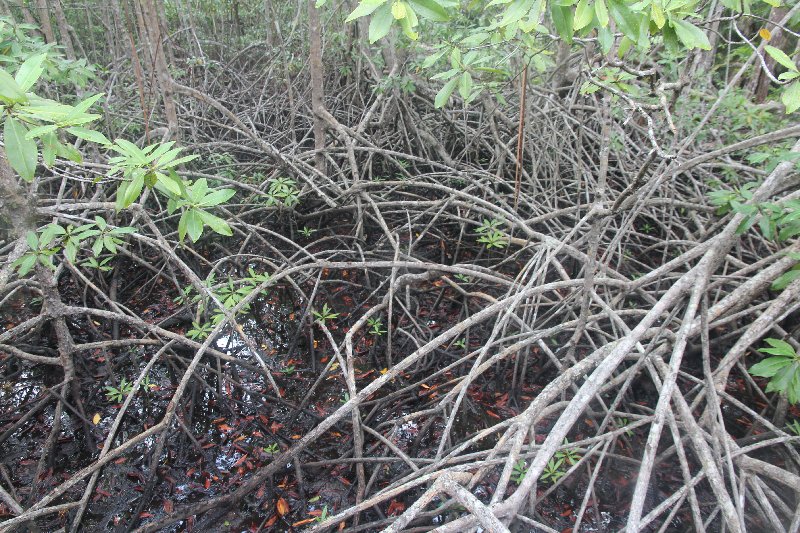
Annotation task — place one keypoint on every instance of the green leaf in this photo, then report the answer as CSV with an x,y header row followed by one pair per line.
x,y
408,23
785,279
430,9
194,224
32,240
444,93
40,131
110,244
517,10
791,97
50,232
49,148
366,7
433,58
89,135
584,14
769,366
29,71
71,251
779,347
399,10
10,89
169,184
381,23
130,150
778,55
217,197
21,152
465,85
781,381
601,11
657,15
217,224
68,151
605,37
690,35
562,20
625,19
25,263
83,106
132,191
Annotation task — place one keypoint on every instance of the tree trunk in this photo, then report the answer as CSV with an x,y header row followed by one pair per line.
x,y
761,81
706,60
317,91
166,40
151,30
237,19
63,29
43,11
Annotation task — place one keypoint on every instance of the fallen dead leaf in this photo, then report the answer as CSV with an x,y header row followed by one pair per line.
x,y
282,506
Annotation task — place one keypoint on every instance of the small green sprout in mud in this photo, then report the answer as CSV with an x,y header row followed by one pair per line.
x,y
325,314
117,394
520,469
375,326
271,449
553,471
490,235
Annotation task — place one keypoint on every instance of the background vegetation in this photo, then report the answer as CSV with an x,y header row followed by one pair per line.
x,y
384,265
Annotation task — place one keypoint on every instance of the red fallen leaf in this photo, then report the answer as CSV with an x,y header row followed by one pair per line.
x,y
145,515
567,530
315,512
395,508
241,460
502,400
260,493
567,511
271,521
303,522
257,433
168,506
341,526
493,414
218,420
208,445
103,493
224,427
207,483
282,507
263,419
190,472
120,460
274,427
